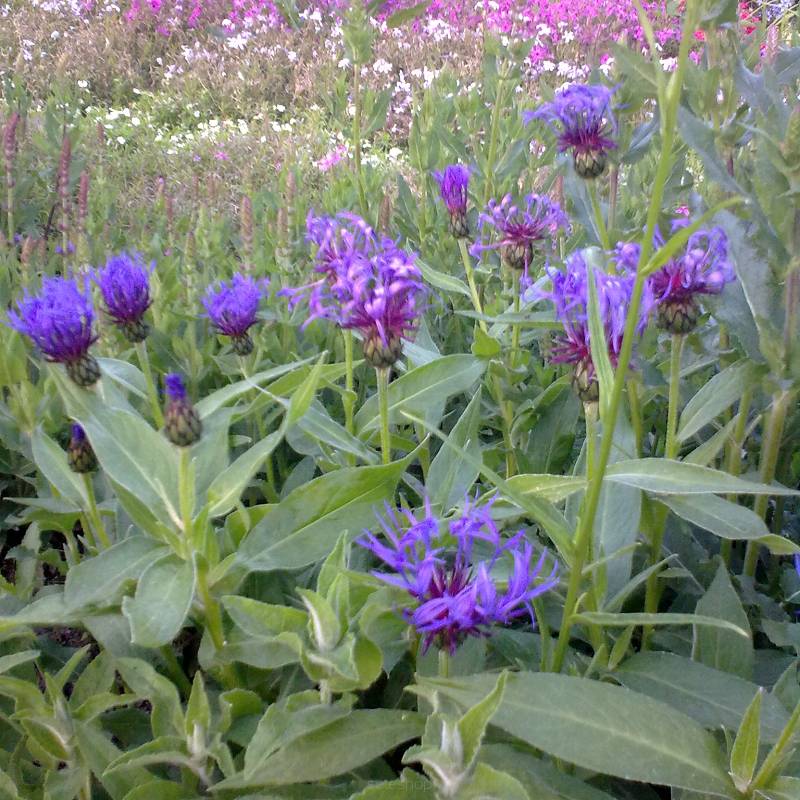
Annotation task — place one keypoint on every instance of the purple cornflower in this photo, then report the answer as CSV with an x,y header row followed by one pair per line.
x,y
570,295
369,284
703,268
583,121
448,572
182,424
232,309
124,282
521,228
454,187
59,321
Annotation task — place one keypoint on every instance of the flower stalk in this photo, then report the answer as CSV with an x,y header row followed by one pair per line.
x,y
383,374
152,393
362,197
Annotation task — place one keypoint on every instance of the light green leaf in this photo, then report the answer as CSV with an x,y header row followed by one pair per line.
x,y
714,699
553,488
721,649
597,335
744,754
304,526
100,579
441,280
600,727
158,610
665,476
666,618
721,392
423,391
722,517
52,461
301,399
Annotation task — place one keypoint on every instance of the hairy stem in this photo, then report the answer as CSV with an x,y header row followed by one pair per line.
x,y
383,403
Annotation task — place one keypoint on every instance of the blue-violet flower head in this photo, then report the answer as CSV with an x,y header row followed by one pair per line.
x,y
124,283
232,308
450,572
454,188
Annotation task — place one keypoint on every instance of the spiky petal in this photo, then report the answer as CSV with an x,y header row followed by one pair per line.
x,y
124,283
232,308
59,320
454,188
582,119
454,593
520,227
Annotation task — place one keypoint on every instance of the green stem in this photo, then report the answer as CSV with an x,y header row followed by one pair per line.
x,y
734,460
772,763
473,289
653,586
348,401
176,673
152,394
770,449
94,513
383,403
599,221
362,198
636,414
213,619
494,133
670,99
590,415
10,208
186,497
444,663
516,329
544,635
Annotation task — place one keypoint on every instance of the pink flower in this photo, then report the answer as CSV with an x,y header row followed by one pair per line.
x,y
221,155
332,158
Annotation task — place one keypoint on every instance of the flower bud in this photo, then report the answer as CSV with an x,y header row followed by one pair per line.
x,y
182,425
85,371
382,354
590,164
80,456
679,316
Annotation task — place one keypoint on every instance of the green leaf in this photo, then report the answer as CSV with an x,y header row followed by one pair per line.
x,y
264,619
665,476
441,280
553,488
304,527
405,15
301,399
600,727
722,649
7,663
722,517
166,717
714,699
209,404
450,476
597,334
666,618
99,580
125,374
52,462
744,754
164,595
490,784
721,392
423,391
472,726
226,489
337,748
318,424
411,786
198,710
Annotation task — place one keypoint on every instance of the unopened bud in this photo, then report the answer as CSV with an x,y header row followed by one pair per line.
x,y
80,455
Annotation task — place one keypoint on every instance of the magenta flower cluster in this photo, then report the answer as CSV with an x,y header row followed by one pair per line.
x,y
450,571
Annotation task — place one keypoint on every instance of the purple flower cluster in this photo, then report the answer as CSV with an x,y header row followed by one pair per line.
x,y
454,188
570,296
59,320
520,228
583,121
124,282
704,267
232,308
448,573
369,284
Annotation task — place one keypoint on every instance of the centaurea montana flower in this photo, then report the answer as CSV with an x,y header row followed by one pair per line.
x,y
583,121
369,284
454,188
182,424
704,267
232,308
449,572
124,282
520,228
570,296
59,321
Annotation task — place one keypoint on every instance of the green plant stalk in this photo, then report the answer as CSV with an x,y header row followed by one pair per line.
x,y
473,289
444,663
516,330
772,763
669,97
152,394
544,635
599,222
590,415
770,449
383,403
653,587
348,401
10,207
186,499
362,197
176,673
506,414
96,521
494,133
636,414
213,619
734,458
